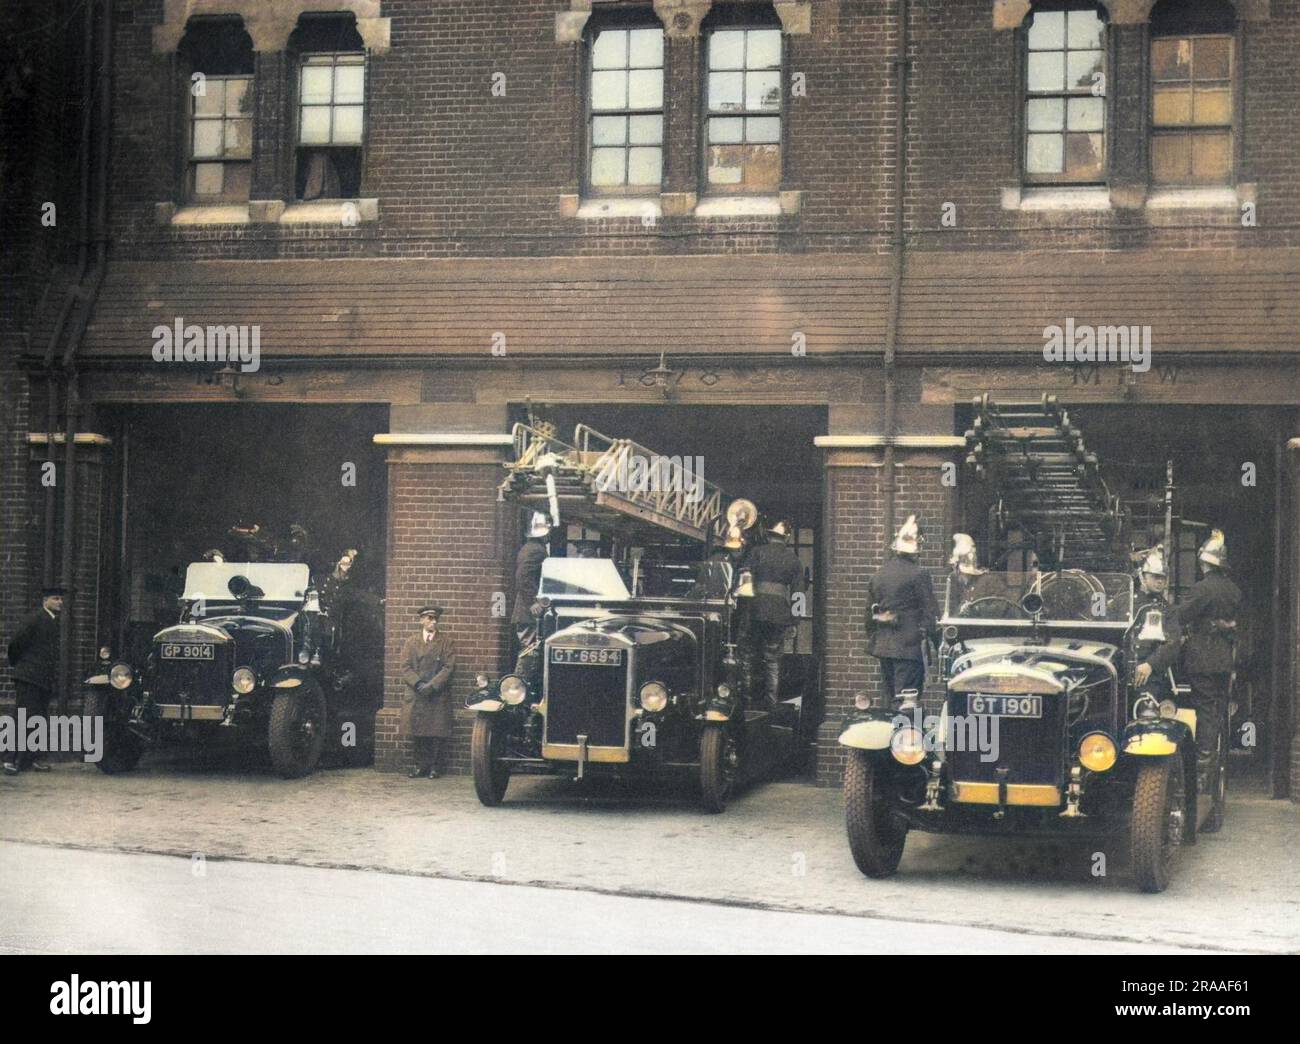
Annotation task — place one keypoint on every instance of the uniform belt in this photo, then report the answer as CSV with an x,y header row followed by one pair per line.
x,y
769,588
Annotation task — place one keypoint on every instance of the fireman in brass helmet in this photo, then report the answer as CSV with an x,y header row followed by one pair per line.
x,y
1207,619
902,616
777,575
1154,646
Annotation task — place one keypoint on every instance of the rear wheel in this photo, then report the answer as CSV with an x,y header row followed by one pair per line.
x,y
719,761
876,835
296,733
122,747
1158,821
491,773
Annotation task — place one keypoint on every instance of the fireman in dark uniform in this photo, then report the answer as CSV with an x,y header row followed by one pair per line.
x,y
902,616
1155,645
528,575
34,657
1207,618
777,575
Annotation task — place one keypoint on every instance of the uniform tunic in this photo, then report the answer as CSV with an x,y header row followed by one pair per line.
x,y
428,716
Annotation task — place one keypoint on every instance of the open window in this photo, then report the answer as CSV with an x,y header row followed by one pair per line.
x,y
330,107
218,111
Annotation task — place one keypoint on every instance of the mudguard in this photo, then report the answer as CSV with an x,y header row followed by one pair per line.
x,y
484,702
290,676
1157,737
868,730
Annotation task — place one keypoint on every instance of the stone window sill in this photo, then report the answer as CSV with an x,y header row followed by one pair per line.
x,y
1057,197
198,214
345,212
738,206
1198,199
646,208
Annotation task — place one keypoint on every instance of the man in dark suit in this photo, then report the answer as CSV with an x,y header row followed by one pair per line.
x,y
528,575
34,657
777,576
902,615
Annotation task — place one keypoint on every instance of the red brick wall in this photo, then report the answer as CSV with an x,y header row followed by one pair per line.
x,y
447,541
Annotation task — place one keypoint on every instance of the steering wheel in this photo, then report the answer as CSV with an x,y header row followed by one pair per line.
x,y
1068,595
1003,608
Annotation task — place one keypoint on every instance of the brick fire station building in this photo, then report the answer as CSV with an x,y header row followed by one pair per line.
x,y
794,237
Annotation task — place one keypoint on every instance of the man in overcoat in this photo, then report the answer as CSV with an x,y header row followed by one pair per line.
x,y
34,657
428,662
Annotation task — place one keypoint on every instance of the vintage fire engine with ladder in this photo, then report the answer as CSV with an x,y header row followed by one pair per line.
x,y
638,665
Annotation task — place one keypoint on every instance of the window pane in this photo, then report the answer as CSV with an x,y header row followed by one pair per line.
x,y
1083,155
239,99
762,168
1047,71
724,165
1044,154
210,102
646,48
1171,59
316,81
726,130
726,91
1170,158
1084,65
645,89
1211,157
644,166
607,166
236,180
763,49
610,50
347,125
763,90
207,179
727,49
1212,105
1045,114
646,130
1085,29
609,90
1212,58
239,138
1047,31
1086,114
609,130
350,84
207,137
763,129
315,129
1171,105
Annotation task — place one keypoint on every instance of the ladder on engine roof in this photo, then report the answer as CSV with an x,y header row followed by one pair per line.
x,y
1048,483
612,485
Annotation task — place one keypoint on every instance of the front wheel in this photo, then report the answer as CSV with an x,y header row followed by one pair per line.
x,y
719,761
876,835
491,773
1159,819
121,747
296,734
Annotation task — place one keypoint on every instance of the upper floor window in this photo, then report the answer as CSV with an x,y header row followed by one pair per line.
x,y
219,112
1192,104
1065,88
743,110
331,107
626,121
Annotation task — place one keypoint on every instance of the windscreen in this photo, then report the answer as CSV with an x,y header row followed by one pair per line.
x,y
1069,595
278,581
